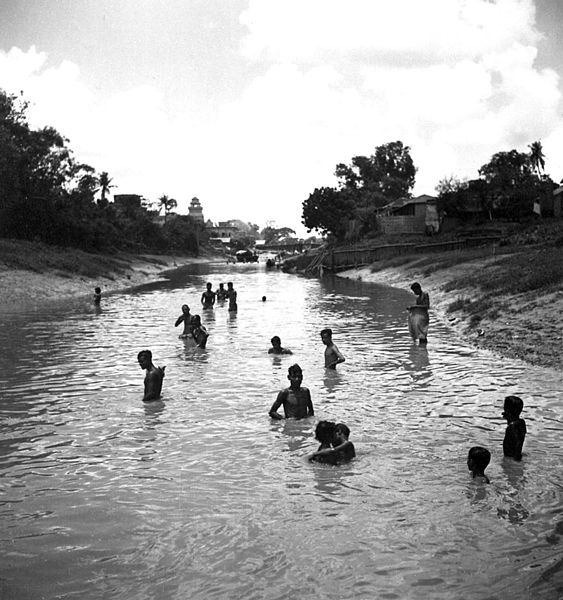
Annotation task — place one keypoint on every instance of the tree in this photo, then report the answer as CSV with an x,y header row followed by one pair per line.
x,y
104,181
387,175
328,210
537,157
168,204
271,234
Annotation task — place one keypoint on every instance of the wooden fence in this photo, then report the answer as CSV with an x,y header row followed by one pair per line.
x,y
339,259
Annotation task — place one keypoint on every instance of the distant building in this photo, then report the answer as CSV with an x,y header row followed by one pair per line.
x,y
196,210
223,229
410,215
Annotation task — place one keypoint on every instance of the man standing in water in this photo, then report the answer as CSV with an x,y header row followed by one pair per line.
x,y
208,297
185,318
296,400
418,315
232,296
153,377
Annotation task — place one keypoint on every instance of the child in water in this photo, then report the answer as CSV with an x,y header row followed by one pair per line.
x,y
97,295
477,461
333,356
296,400
516,428
277,347
199,332
329,434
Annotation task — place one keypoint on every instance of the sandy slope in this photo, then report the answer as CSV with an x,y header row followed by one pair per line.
x,y
528,326
25,289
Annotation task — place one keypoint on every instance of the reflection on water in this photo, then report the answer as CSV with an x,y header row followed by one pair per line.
x,y
201,495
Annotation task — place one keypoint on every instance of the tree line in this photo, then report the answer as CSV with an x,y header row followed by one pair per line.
x,y
47,195
508,187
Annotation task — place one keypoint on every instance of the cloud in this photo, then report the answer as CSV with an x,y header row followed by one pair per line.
x,y
456,80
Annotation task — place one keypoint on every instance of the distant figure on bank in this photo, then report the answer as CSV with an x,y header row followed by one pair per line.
x,y
208,297
342,449
418,315
333,356
516,428
221,292
153,378
185,318
232,296
477,461
97,295
199,332
277,347
296,400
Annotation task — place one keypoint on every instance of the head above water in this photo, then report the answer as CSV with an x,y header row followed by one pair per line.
x,y
324,431
478,458
276,341
342,429
98,290
208,285
513,406
327,332
263,298
295,371
195,320
416,288
185,308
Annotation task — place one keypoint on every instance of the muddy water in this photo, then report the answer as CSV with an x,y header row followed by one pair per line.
x,y
202,496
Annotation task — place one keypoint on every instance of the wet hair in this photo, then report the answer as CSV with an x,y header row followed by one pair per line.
x,y
342,428
195,318
416,286
276,338
513,405
480,456
185,306
146,353
324,431
295,369
328,331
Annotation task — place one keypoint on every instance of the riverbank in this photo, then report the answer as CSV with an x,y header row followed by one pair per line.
x,y
507,300
32,273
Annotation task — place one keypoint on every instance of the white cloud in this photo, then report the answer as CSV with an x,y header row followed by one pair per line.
x,y
454,80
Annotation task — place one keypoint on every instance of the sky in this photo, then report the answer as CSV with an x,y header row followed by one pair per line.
x,y
249,105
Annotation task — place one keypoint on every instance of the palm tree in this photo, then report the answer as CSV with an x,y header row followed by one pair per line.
x,y
168,204
537,157
104,181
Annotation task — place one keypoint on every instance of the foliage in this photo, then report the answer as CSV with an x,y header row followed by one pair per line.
x,y
368,183
48,196
272,234
328,211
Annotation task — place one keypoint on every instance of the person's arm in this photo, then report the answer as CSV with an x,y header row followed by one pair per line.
x,y
179,320
310,410
339,358
274,410
203,298
331,452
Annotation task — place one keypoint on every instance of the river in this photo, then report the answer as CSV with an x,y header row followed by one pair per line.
x,y
203,496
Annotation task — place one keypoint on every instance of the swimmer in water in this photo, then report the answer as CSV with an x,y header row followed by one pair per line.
x,y
342,449
185,318
478,459
199,332
232,295
221,292
515,433
153,378
296,400
97,295
277,347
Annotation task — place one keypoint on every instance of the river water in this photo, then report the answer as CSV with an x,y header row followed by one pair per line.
x,y
202,496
